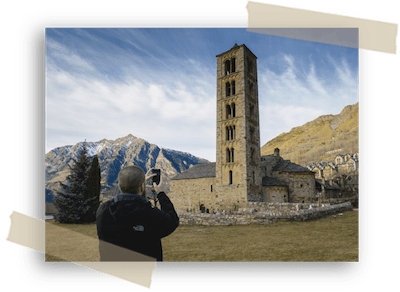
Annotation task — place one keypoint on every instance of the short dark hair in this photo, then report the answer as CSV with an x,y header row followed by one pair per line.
x,y
130,179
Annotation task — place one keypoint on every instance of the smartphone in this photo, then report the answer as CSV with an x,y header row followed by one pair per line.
x,y
156,178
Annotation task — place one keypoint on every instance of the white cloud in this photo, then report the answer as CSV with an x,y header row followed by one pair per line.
x,y
276,119
290,99
93,110
61,53
174,108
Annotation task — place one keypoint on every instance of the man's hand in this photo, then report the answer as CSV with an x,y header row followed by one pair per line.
x,y
161,187
149,175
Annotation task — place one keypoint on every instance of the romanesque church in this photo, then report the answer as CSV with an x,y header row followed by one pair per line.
x,y
240,174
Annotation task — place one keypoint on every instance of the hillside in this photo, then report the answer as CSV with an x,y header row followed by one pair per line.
x,y
113,156
319,140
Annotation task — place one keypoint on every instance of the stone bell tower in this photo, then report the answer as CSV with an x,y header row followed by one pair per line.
x,y
238,171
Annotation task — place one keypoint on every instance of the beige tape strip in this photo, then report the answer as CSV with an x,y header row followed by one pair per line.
x,y
31,232
373,35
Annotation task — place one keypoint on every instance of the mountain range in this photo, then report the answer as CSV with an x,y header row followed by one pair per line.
x,y
113,156
316,141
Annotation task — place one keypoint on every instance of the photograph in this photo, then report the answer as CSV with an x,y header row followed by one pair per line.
x,y
200,145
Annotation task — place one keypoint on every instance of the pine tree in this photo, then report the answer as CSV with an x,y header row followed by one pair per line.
x,y
73,203
94,187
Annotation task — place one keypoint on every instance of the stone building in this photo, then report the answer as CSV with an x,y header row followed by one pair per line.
x,y
239,175
327,189
299,181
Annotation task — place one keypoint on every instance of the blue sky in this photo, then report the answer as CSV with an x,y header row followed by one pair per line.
x,y
159,84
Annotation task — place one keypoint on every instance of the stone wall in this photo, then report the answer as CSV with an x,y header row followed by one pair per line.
x,y
190,194
275,194
263,213
301,185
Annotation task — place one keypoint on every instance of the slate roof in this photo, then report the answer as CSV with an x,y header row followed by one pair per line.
x,y
271,181
327,185
287,166
197,171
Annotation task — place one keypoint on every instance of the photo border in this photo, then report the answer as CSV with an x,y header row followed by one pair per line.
x,y
30,137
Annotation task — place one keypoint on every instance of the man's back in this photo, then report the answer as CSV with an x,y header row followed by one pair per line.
x,y
130,222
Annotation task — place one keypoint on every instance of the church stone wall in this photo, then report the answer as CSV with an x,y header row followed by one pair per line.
x,y
190,194
275,194
301,186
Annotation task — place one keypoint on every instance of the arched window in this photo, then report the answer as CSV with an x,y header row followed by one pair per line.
x,y
232,155
233,106
227,133
230,177
233,62
233,87
228,89
228,155
228,111
233,133
227,67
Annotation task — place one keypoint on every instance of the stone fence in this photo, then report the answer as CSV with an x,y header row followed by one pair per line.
x,y
264,213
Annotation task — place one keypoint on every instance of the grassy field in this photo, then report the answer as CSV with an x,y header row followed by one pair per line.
x,y
328,239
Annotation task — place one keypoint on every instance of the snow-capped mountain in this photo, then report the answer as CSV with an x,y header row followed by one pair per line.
x,y
115,155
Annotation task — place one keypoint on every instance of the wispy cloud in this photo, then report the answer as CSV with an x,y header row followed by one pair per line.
x,y
297,95
156,112
159,85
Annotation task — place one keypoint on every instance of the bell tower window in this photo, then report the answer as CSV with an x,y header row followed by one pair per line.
x,y
228,89
227,67
228,111
233,88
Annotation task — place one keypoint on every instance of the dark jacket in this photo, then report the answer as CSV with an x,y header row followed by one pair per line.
x,y
129,221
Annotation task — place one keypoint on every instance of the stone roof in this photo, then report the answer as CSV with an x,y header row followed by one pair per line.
x,y
287,166
236,46
197,171
327,186
271,181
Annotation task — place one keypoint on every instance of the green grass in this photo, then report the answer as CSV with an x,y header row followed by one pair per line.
x,y
328,239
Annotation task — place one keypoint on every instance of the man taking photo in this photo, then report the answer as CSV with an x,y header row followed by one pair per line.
x,y
128,227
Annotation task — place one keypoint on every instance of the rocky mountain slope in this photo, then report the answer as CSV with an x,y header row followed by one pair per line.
x,y
319,140
113,156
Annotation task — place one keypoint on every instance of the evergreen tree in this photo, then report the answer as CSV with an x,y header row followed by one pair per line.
x,y
94,187
73,203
